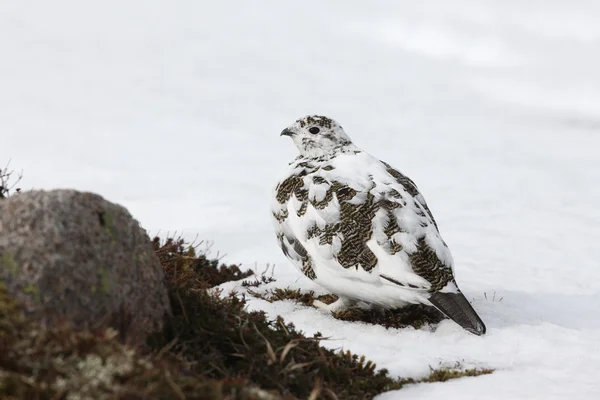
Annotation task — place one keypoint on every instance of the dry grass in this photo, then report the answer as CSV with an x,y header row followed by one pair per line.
x,y
413,315
211,348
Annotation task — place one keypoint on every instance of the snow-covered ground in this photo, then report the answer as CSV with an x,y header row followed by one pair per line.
x,y
492,106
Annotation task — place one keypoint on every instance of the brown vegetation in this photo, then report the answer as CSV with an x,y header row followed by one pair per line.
x,y
210,348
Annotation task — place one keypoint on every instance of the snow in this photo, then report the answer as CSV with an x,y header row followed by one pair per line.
x,y
492,107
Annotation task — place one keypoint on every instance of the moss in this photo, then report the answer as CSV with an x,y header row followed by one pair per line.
x,y
183,262
279,294
105,280
258,282
108,222
33,291
445,374
7,260
9,308
413,315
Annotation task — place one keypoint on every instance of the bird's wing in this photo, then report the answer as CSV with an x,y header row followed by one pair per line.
x,y
356,212
290,187
411,188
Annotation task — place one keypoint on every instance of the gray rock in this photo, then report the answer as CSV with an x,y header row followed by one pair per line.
x,y
68,255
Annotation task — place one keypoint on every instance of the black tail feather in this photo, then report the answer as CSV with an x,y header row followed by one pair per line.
x,y
456,307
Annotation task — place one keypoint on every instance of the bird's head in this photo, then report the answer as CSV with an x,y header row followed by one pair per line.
x,y
317,136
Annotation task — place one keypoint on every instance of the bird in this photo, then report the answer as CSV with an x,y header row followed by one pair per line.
x,y
361,229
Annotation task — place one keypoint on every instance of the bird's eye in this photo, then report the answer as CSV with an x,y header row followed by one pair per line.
x,y
314,130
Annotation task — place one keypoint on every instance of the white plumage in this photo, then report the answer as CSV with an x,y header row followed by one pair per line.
x,y
360,228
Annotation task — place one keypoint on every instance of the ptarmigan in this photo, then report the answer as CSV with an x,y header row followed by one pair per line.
x,y
361,229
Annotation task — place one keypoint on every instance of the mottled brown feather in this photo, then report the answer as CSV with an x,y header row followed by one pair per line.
x,y
427,265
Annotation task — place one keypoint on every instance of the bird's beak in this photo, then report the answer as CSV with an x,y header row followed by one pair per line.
x,y
287,132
